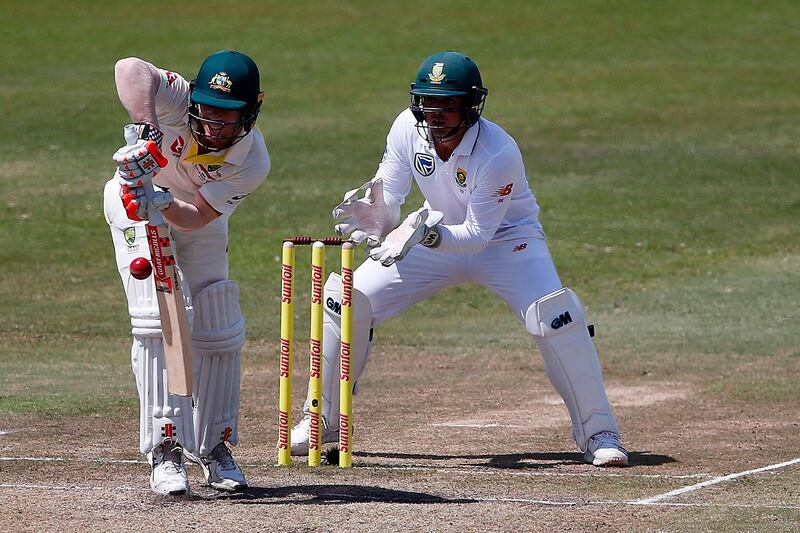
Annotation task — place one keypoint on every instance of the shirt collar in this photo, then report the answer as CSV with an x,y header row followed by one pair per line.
x,y
467,143
234,155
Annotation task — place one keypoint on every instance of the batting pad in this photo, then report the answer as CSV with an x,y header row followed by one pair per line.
x,y
331,339
558,323
218,335
162,416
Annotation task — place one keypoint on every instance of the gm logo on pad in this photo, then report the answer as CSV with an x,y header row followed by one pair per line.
x,y
561,320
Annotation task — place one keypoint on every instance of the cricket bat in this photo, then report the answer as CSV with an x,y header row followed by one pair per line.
x,y
174,321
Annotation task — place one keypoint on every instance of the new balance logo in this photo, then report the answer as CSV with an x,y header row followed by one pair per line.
x,y
561,320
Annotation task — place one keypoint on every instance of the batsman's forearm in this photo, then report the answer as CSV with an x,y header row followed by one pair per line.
x,y
186,216
137,83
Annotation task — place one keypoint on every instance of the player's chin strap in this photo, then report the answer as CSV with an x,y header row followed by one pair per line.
x,y
218,335
558,323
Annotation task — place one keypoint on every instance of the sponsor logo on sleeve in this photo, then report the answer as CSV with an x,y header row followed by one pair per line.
x,y
177,147
236,199
171,77
424,164
520,247
502,192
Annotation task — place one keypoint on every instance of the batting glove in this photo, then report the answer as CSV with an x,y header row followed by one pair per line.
x,y
136,202
140,160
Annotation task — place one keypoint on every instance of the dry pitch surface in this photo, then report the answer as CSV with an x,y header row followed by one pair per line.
x,y
444,442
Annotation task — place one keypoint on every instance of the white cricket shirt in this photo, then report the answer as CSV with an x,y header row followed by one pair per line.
x,y
482,189
224,178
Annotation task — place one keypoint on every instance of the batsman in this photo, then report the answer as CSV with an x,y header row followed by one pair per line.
x,y
193,154
479,224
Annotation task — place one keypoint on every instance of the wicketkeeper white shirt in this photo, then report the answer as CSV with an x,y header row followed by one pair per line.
x,y
223,178
482,189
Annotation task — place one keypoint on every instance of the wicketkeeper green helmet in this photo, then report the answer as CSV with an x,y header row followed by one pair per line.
x,y
449,74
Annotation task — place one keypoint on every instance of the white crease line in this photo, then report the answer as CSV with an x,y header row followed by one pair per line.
x,y
698,486
65,487
57,459
453,425
468,470
5,432
525,500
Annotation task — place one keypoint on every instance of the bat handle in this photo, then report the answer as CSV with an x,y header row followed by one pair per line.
x,y
154,215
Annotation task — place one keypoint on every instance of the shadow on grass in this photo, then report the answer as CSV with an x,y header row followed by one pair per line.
x,y
334,494
518,461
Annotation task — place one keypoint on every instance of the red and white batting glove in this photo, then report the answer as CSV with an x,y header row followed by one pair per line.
x,y
138,162
136,203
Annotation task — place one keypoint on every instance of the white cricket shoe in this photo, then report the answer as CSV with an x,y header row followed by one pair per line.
x,y
300,436
605,449
221,471
167,473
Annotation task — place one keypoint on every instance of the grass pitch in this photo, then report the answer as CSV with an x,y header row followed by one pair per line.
x,y
661,140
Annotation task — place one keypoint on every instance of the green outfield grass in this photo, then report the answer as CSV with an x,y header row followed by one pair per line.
x,y
660,138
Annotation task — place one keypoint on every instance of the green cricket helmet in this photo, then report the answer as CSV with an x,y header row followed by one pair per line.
x,y
226,80
449,74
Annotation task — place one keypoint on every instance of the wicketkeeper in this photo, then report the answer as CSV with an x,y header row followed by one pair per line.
x,y
215,158
479,224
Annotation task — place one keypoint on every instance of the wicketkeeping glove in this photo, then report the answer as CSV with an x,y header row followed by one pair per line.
x,y
420,227
367,218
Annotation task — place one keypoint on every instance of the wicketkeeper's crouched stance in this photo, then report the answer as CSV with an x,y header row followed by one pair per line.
x,y
479,225
215,158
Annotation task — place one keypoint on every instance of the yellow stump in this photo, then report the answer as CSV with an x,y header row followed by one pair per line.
x,y
287,334
345,380
315,353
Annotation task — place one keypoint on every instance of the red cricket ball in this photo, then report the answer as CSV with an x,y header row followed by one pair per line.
x,y
141,268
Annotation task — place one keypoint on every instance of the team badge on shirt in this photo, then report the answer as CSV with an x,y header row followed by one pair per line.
x,y
208,173
437,74
461,177
424,164
221,82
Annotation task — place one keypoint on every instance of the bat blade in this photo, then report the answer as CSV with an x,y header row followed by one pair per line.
x,y
172,309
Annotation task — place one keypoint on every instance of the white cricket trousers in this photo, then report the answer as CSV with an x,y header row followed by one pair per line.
x,y
520,271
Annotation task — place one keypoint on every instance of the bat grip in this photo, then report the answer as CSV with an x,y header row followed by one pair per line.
x,y
154,215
